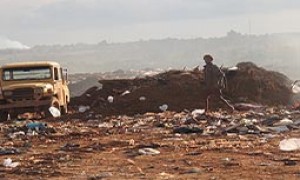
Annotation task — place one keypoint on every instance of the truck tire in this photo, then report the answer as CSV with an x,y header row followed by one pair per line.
x,y
3,116
14,116
64,110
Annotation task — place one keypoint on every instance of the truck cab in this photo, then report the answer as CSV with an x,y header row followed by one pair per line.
x,y
32,87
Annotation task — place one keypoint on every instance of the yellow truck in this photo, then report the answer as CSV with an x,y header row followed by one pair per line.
x,y
33,87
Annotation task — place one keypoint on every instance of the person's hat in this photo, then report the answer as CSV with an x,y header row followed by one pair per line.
x,y
208,57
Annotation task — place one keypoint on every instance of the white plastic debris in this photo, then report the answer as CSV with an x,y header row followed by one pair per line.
x,y
163,107
142,98
126,92
54,111
110,99
284,122
83,109
8,163
198,112
296,87
233,68
292,144
148,151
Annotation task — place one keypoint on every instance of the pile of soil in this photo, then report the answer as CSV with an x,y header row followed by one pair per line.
x,y
257,85
183,90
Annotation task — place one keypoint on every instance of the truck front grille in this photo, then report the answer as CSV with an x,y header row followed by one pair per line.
x,y
22,93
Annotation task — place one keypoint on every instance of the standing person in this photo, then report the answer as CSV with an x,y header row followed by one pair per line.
x,y
212,79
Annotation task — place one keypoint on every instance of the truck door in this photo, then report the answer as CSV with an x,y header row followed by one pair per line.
x,y
58,84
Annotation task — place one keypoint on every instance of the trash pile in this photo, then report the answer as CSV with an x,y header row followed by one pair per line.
x,y
177,90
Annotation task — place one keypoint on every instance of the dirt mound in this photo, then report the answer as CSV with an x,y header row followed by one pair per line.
x,y
257,85
181,90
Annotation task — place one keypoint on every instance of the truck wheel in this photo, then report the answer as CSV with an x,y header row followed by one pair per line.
x,y
64,110
14,116
3,116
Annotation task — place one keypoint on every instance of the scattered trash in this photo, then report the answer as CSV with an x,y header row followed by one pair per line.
x,y
9,163
165,175
188,130
70,147
163,107
125,92
284,122
142,98
83,109
100,176
291,144
296,87
148,151
278,129
194,171
233,68
16,134
110,99
36,126
9,150
290,163
198,113
54,112
247,106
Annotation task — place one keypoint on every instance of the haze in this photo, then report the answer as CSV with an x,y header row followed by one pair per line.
x,y
48,22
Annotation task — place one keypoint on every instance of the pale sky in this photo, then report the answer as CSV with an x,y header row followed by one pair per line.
x,y
39,22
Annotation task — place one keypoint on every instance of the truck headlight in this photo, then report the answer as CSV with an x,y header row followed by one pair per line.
x,y
38,90
48,89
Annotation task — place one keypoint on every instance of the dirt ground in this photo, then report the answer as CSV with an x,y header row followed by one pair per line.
x,y
94,150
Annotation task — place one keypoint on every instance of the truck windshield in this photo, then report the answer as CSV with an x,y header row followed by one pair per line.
x,y
26,73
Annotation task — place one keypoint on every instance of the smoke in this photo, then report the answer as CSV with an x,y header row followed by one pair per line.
x,y
6,43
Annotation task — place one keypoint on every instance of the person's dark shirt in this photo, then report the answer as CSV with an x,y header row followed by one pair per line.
x,y
212,75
